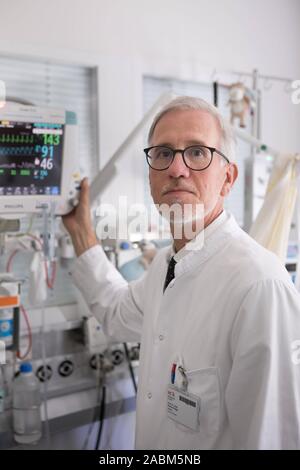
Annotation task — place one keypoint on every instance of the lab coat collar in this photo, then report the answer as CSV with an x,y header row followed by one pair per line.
x,y
206,243
199,239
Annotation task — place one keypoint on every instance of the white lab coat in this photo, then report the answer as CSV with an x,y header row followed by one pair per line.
x,y
231,316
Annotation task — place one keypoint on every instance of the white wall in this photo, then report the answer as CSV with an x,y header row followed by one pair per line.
x,y
178,38
234,33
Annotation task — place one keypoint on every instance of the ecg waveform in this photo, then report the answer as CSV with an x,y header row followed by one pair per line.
x,y
16,138
21,150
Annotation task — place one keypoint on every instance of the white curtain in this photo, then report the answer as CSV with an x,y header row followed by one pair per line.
x,y
297,281
271,227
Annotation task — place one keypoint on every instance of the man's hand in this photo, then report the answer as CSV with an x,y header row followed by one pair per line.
x,y
79,223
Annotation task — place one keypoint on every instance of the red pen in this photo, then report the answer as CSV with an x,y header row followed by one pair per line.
x,y
173,372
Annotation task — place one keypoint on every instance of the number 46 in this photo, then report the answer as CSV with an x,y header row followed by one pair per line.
x,y
47,164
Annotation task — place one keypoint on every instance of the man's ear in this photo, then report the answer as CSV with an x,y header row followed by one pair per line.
x,y
230,177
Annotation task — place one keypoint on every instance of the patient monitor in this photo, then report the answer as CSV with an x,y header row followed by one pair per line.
x,y
38,159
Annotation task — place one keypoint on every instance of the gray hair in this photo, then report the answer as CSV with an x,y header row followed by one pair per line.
x,y
228,142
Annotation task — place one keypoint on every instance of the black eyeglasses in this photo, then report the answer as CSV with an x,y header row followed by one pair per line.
x,y
195,157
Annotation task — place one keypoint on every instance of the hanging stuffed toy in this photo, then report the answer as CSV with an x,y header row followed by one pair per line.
x,y
239,102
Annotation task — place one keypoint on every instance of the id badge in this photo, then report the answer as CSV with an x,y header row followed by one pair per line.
x,y
184,407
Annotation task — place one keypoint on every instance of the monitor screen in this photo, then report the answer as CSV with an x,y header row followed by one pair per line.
x,y
30,158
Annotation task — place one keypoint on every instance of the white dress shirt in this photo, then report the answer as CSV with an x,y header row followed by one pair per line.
x,y
199,238
231,317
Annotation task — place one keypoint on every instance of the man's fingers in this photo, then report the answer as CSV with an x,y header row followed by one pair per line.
x,y
84,192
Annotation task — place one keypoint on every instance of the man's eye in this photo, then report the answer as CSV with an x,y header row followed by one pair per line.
x,y
196,152
162,154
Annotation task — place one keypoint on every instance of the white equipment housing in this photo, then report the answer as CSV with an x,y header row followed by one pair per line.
x,y
38,159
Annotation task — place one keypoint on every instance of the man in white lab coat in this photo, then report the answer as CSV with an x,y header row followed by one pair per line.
x,y
219,324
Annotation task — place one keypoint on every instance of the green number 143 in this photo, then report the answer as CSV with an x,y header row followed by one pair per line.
x,y
51,139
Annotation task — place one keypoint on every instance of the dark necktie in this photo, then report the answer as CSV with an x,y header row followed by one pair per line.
x,y
170,273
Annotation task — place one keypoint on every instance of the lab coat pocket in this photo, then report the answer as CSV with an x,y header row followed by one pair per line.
x,y
205,383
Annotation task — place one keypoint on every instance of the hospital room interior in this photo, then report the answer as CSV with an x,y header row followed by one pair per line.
x,y
80,85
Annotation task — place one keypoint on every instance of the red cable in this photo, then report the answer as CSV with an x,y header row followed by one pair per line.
x,y
10,259
50,282
8,266
29,334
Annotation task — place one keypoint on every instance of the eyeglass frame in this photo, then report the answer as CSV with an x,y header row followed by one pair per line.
x,y
174,151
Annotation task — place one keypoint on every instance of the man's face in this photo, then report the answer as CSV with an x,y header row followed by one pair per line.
x,y
179,129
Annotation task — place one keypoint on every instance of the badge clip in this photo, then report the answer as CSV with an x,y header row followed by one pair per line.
x,y
185,381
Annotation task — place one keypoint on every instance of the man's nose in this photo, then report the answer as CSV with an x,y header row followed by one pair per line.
x,y
178,167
